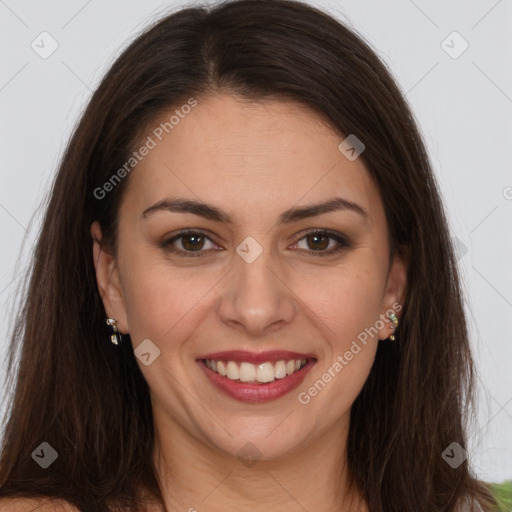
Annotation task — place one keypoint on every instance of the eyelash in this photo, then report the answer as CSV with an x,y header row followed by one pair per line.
x,y
342,241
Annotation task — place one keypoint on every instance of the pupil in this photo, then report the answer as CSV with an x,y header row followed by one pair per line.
x,y
193,245
316,237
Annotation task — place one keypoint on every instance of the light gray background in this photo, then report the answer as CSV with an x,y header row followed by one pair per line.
x,y
463,106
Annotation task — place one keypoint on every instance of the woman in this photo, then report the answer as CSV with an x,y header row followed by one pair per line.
x,y
244,295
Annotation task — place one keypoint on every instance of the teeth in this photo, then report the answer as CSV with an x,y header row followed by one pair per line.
x,y
263,372
233,372
221,368
280,370
247,372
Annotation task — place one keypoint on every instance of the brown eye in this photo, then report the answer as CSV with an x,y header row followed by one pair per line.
x,y
318,241
323,243
192,244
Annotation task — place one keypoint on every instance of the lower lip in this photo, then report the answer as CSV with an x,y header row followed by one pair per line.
x,y
246,392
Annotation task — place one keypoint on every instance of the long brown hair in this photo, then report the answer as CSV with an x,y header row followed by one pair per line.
x,y
88,399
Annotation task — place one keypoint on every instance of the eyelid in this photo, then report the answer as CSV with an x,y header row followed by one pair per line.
x,y
342,240
334,234
168,241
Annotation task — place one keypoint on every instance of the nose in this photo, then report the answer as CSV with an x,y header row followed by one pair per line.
x,y
256,298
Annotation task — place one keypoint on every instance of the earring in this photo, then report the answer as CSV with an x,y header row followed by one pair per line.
x,y
115,338
394,325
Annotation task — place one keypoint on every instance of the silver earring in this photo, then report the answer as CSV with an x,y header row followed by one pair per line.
x,y
394,325
115,338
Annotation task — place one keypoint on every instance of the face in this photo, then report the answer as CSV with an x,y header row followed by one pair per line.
x,y
247,287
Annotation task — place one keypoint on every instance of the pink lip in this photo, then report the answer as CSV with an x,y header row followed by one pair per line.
x,y
246,392
240,356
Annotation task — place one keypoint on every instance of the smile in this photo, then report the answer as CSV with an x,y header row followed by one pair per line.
x,y
251,377
248,372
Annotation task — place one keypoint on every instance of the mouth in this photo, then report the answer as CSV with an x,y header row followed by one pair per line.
x,y
251,377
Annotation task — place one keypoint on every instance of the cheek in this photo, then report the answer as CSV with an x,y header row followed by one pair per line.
x,y
346,307
346,298
165,302
162,303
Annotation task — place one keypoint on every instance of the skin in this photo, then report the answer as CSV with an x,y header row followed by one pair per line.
x,y
253,160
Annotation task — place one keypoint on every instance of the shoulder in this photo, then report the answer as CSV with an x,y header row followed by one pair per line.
x,y
35,505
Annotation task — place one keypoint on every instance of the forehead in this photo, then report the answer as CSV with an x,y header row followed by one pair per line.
x,y
247,156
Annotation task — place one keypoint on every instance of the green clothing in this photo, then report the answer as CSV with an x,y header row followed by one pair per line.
x,y
503,494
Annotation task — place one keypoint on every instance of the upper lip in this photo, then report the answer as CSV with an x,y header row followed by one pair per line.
x,y
256,357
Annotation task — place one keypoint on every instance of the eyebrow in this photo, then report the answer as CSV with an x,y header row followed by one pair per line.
x,y
210,212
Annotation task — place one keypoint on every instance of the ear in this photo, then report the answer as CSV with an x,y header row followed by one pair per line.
x,y
395,292
107,277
